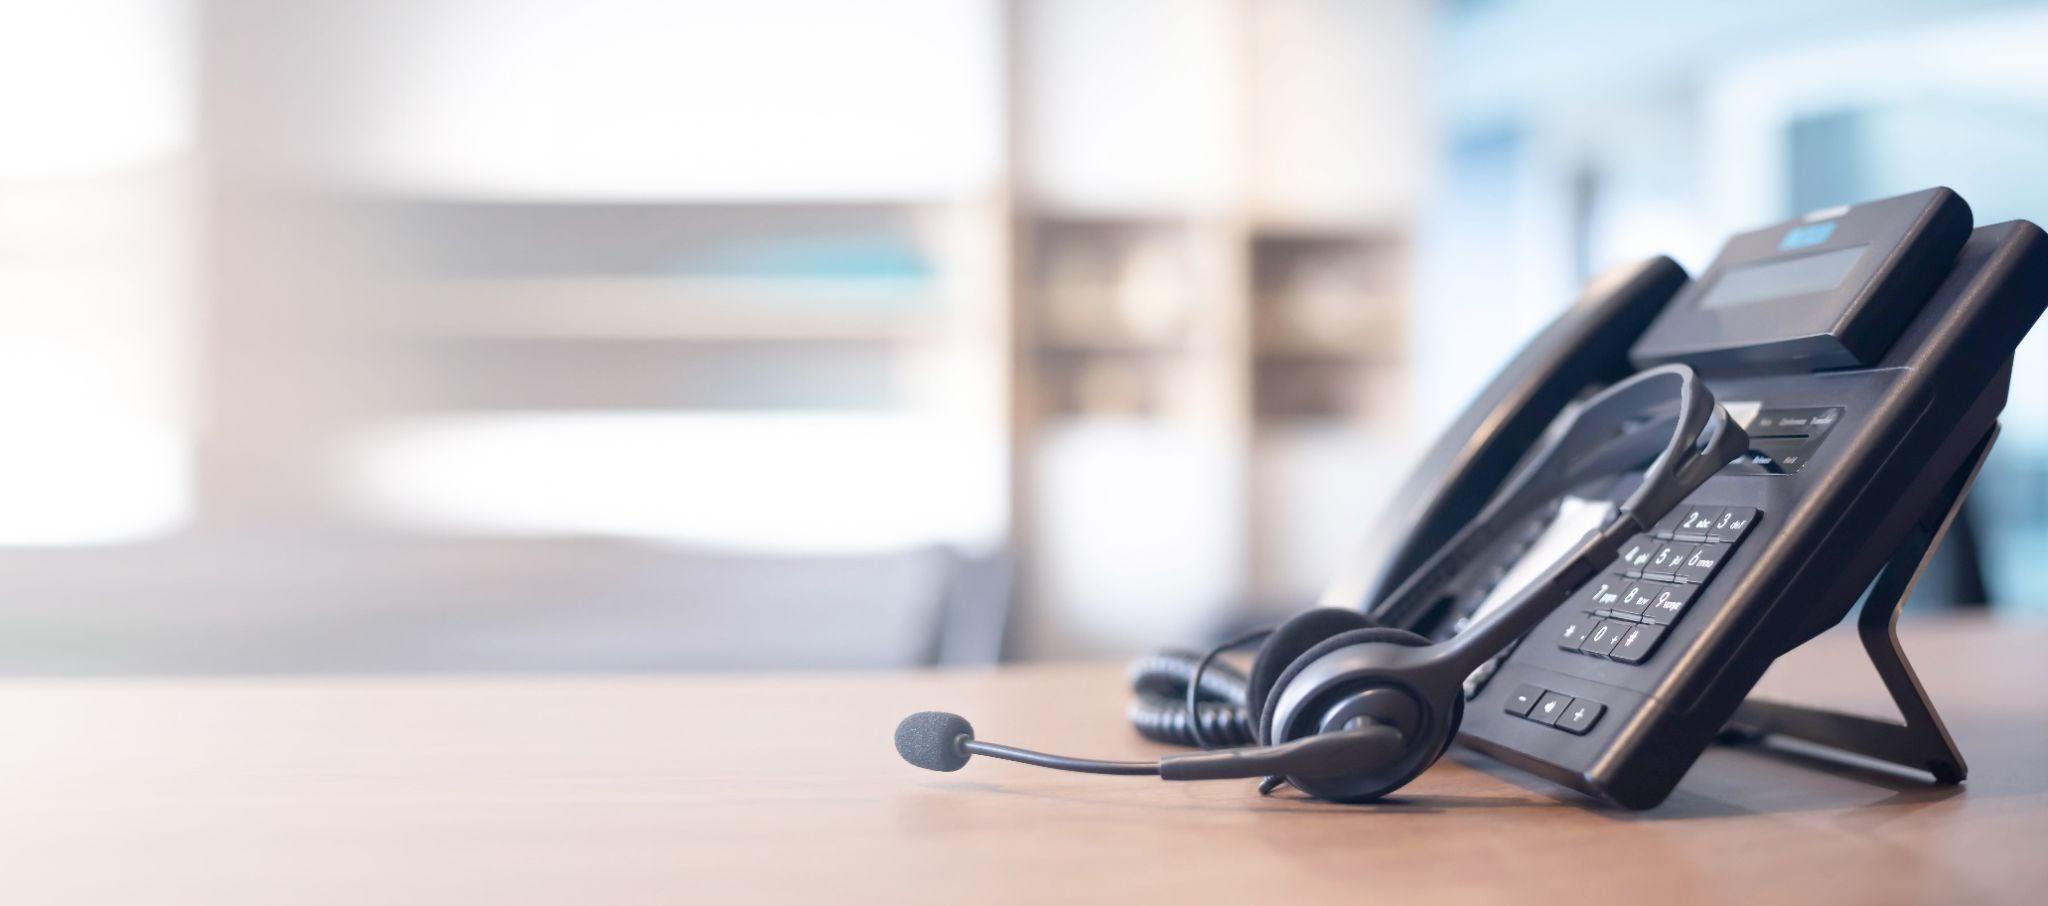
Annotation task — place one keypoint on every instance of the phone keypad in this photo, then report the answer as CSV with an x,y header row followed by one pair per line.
x,y
1625,612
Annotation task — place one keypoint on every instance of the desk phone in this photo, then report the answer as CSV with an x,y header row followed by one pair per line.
x,y
1867,351
1673,484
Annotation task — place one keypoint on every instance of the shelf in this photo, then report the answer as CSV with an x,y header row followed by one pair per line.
x,y
404,195
519,374
1325,300
1328,231
1364,355
697,309
1077,348
1319,389
542,240
1128,219
1141,385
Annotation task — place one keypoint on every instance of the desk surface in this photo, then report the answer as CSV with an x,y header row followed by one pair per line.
x,y
785,789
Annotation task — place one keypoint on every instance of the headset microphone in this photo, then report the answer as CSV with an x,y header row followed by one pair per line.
x,y
938,741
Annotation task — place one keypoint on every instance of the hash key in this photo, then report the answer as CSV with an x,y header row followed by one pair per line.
x,y
1638,643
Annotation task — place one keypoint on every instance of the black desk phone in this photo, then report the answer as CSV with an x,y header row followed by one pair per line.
x,y
1869,351
1838,380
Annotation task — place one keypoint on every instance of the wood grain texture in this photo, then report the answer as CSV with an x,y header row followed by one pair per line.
x,y
773,789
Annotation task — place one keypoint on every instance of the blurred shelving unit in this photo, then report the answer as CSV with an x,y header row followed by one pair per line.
x,y
1327,323
1329,398
664,229
648,298
1121,313
1116,286
1212,200
718,306
1129,424
702,329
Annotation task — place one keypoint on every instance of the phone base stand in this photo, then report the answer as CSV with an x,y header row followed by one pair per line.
x,y
1922,742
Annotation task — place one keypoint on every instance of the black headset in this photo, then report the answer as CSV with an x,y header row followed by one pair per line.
x,y
1349,711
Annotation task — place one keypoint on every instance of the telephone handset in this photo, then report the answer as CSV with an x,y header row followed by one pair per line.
x,y
1584,348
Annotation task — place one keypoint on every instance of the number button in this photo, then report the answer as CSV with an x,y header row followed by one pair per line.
x,y
1733,523
1696,523
1663,565
1634,597
1699,565
1669,603
1636,554
1604,637
1604,593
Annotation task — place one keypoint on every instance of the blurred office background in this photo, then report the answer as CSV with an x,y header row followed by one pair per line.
x,y
637,334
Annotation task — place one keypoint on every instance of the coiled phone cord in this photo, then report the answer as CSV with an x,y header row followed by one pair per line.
x,y
1185,699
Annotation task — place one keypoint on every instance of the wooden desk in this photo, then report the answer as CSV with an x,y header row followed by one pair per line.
x,y
716,789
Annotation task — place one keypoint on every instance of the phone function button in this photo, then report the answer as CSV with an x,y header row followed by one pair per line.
x,y
1604,637
1699,565
1695,522
1579,717
1638,643
1668,603
1779,455
1732,524
1549,708
1575,634
1523,699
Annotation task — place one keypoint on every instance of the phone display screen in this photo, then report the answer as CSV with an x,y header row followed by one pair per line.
x,y
1783,278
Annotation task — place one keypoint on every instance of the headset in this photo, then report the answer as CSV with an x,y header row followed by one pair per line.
x,y
1347,711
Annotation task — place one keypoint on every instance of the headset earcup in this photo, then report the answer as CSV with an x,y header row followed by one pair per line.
x,y
1308,656
1299,633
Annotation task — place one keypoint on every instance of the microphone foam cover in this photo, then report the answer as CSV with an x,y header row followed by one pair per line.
x,y
930,740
